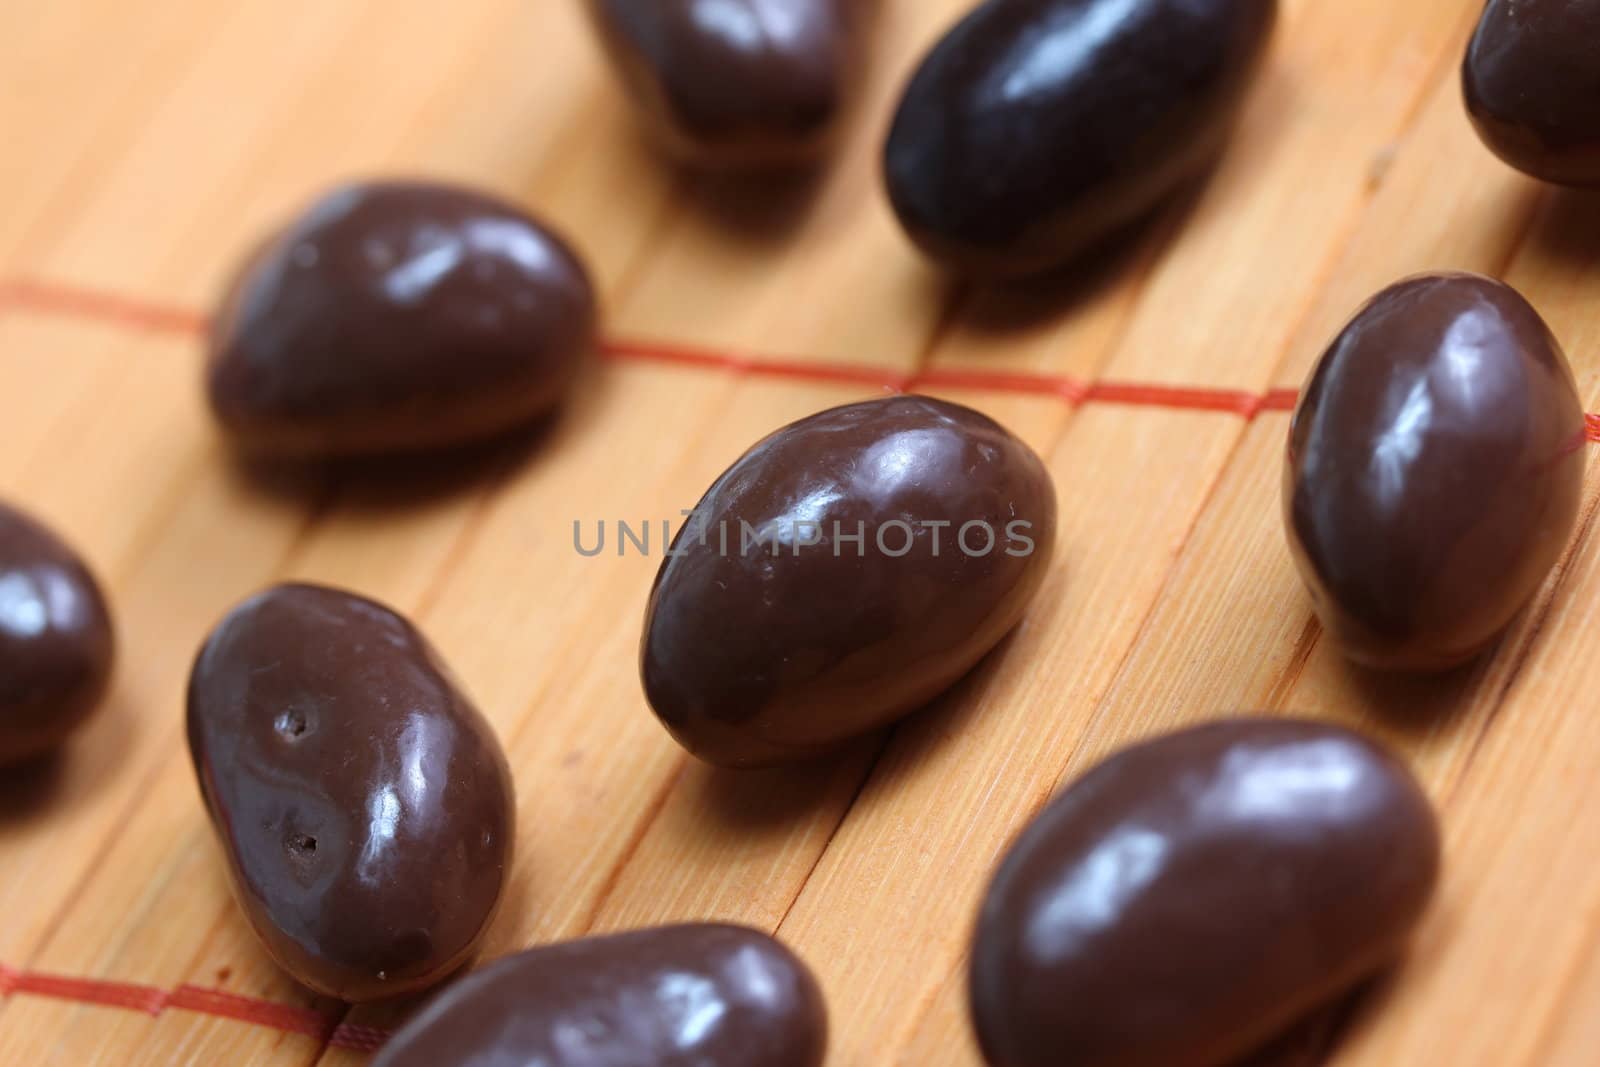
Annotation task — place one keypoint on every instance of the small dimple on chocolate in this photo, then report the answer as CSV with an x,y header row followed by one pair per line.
x,y
292,725
301,848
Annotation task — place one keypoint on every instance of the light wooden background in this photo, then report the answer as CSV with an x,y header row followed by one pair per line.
x,y
142,146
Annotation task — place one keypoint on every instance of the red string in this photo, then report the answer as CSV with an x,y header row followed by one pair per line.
x,y
1069,389
77,302
217,1003
243,1009
52,298
1230,401
1075,392
89,991
72,301
637,351
358,1038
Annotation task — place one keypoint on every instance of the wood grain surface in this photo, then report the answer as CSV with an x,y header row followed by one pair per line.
x,y
145,146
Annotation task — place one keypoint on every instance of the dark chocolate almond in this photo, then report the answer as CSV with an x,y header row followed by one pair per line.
x,y
398,316
1532,83
56,640
846,570
1192,896
1434,469
363,803
676,996
735,83
1035,129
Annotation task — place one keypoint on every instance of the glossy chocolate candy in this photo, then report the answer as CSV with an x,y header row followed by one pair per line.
x,y
677,996
933,528
1434,469
1192,896
736,83
1037,128
363,803
56,640
395,316
1532,82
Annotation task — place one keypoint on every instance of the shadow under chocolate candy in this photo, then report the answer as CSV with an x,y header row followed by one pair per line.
x,y
29,788
771,799
1008,306
758,208
79,767
1417,704
766,800
944,720
1567,227
1314,1040
402,480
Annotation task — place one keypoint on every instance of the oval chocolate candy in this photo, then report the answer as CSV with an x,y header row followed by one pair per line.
x,y
1434,469
397,316
363,803
1194,895
56,640
738,83
843,572
676,996
1532,84
1038,128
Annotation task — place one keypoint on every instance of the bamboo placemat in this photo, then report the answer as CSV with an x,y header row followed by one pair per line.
x,y
145,146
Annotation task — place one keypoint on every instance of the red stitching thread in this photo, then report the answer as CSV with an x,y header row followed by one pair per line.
x,y
68,300
1072,391
89,991
214,1002
684,356
137,314
249,1010
1064,388
57,298
358,1038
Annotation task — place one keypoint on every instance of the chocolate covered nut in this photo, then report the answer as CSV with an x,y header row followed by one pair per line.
x,y
1037,128
395,316
1434,469
1532,83
56,640
363,804
677,996
1194,895
843,572
733,83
